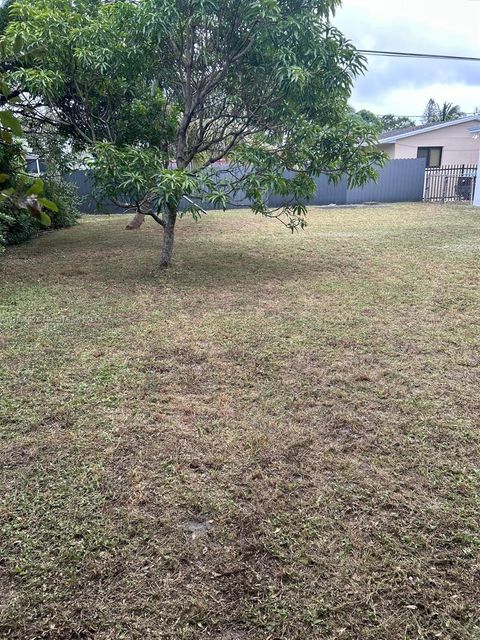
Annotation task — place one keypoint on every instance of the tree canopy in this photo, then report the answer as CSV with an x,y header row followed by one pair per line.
x,y
369,117
446,112
155,93
386,122
390,122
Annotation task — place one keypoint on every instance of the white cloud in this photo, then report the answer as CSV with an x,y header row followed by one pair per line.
x,y
410,101
403,86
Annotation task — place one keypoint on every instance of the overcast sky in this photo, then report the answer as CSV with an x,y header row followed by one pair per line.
x,y
403,86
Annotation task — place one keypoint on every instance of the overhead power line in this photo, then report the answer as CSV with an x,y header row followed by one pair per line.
x,y
404,54
381,115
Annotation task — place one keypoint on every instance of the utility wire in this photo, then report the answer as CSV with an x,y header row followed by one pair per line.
x,y
381,115
404,54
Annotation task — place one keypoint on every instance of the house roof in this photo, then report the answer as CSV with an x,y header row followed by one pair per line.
x,y
406,132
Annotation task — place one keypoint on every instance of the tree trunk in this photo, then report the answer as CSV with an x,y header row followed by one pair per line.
x,y
136,222
169,218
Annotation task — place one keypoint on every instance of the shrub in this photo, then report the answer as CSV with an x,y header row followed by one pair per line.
x,y
65,196
5,220
18,225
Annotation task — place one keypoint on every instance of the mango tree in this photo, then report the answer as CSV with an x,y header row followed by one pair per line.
x,y
157,93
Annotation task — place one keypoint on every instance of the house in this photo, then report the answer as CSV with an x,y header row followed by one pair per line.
x,y
443,143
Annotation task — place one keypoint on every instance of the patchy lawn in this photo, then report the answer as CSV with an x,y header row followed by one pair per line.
x,y
278,438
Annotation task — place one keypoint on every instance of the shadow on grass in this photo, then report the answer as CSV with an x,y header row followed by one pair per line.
x,y
107,256
213,266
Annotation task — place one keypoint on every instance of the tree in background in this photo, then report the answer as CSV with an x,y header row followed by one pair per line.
x,y
449,111
157,92
384,123
369,117
390,122
444,113
431,112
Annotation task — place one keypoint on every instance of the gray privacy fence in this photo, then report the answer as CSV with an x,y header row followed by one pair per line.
x,y
398,181
82,179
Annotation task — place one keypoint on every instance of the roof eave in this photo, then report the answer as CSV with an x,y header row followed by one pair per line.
x,y
433,127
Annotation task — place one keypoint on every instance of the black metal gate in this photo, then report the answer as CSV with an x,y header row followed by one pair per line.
x,y
452,182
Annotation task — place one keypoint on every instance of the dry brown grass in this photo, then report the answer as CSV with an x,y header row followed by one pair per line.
x,y
278,438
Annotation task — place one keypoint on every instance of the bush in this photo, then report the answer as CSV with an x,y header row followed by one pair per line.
x,y
18,225
5,220
65,196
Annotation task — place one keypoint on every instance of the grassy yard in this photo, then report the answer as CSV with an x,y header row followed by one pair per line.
x,y
278,438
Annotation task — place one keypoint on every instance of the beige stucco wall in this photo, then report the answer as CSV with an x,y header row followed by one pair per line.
x,y
459,146
389,149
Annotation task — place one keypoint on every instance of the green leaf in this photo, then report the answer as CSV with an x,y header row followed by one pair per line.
x,y
4,177
36,188
48,204
11,122
45,219
18,43
6,136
